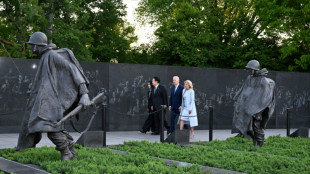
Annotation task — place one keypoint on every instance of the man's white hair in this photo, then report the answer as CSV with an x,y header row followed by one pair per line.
x,y
176,77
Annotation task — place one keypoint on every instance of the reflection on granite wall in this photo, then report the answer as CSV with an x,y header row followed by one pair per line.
x,y
126,93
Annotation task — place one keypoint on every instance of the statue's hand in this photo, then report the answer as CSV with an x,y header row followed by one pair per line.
x,y
84,100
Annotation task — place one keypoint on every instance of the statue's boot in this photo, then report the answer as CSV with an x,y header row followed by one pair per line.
x,y
73,152
254,142
260,143
66,154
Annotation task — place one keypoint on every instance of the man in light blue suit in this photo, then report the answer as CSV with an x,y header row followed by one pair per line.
x,y
175,101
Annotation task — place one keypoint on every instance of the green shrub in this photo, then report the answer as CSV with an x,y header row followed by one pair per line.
x,y
278,155
93,161
284,146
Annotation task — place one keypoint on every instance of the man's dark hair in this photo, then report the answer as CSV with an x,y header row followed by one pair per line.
x,y
150,82
156,79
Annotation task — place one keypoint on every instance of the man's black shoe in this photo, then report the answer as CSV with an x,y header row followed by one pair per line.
x,y
142,131
169,132
168,129
155,133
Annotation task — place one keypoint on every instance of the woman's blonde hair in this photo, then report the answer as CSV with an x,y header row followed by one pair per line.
x,y
190,84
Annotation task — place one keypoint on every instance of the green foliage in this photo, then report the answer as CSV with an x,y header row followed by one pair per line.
x,y
17,18
93,161
229,33
140,55
93,30
155,11
112,36
278,155
217,33
276,145
291,19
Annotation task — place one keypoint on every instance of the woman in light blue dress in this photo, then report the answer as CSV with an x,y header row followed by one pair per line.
x,y
188,113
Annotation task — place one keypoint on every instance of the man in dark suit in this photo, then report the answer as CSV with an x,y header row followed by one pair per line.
x,y
175,101
158,98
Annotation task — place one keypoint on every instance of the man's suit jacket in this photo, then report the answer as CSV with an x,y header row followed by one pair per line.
x,y
176,96
159,97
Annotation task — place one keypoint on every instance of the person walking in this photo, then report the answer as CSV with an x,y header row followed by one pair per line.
x,y
149,122
159,99
188,113
175,101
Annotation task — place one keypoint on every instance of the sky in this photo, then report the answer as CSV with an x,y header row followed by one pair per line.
x,y
145,32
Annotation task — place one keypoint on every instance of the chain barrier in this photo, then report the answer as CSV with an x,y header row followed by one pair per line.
x,y
296,119
115,111
202,113
174,113
220,115
291,118
299,116
8,115
146,114
4,115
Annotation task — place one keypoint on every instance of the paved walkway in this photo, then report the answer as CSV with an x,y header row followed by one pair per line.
x,y
115,138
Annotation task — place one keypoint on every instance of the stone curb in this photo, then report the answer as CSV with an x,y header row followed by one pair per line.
x,y
169,162
8,166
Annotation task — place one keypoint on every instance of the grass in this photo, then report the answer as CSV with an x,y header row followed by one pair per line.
x,y
93,161
278,155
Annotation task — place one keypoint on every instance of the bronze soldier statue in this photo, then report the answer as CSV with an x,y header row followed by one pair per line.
x,y
59,86
254,104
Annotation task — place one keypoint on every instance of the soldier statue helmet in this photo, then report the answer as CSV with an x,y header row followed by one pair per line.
x,y
38,38
253,64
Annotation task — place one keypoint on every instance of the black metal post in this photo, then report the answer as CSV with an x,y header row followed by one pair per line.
x,y
210,123
288,126
162,124
104,125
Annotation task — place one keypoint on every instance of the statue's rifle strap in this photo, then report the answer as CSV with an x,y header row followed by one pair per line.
x,y
88,125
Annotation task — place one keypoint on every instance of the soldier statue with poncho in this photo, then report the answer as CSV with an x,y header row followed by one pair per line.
x,y
59,86
254,104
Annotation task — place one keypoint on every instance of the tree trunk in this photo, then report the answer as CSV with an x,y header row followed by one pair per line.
x,y
51,20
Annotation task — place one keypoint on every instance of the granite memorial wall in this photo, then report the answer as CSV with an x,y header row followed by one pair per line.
x,y
125,87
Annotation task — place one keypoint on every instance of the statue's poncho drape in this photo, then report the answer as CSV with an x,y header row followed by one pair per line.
x,y
255,96
55,90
